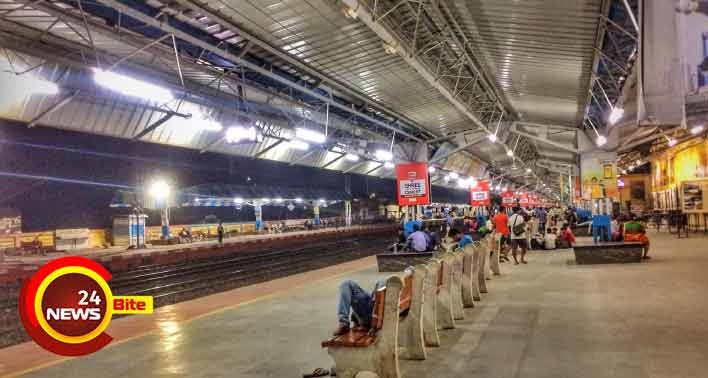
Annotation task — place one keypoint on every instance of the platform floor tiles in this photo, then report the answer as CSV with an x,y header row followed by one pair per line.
x,y
549,318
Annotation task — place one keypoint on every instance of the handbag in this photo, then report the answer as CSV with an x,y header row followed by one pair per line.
x,y
518,229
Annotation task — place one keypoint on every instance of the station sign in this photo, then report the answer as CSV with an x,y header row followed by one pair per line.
x,y
67,305
507,199
523,199
534,202
413,185
479,194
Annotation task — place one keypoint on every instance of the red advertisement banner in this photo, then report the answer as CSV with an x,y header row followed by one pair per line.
x,y
479,195
412,184
508,199
534,202
523,199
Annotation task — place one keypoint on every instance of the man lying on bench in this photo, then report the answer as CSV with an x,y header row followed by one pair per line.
x,y
357,304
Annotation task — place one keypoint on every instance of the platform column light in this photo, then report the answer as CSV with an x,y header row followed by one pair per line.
x,y
258,212
160,190
601,139
695,130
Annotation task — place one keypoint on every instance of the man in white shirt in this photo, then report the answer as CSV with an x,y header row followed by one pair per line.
x,y
418,240
549,240
517,228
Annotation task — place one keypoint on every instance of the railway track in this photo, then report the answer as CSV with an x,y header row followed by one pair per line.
x,y
175,283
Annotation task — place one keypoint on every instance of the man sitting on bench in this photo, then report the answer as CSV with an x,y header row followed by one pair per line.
x,y
355,300
634,231
461,239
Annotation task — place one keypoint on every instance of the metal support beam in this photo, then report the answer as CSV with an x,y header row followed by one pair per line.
x,y
272,146
452,135
166,28
562,146
367,18
458,149
338,158
355,166
648,139
152,127
58,105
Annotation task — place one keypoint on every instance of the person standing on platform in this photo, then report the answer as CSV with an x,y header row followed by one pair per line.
x,y
501,229
541,214
517,226
220,233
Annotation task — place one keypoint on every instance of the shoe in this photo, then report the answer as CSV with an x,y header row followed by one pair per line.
x,y
646,257
341,330
516,263
524,262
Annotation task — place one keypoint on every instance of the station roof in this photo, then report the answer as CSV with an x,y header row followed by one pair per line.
x,y
372,71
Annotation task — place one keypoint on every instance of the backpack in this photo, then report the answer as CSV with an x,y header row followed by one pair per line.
x,y
518,229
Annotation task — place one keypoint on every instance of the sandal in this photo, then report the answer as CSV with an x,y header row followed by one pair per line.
x,y
319,372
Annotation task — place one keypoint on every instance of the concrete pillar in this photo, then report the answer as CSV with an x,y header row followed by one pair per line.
x,y
258,211
348,213
165,222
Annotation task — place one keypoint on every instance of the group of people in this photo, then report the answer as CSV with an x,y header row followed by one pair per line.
x,y
422,239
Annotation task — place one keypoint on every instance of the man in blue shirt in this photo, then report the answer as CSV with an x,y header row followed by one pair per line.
x,y
541,214
461,239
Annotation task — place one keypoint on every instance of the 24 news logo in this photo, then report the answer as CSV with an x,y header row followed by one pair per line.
x,y
67,306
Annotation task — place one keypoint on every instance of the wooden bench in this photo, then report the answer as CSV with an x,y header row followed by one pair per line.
x,y
431,287
470,285
482,266
376,349
445,318
458,311
495,245
608,252
410,325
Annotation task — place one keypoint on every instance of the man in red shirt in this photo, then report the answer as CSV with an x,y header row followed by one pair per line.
x,y
501,227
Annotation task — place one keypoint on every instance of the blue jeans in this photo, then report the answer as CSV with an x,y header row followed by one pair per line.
x,y
352,296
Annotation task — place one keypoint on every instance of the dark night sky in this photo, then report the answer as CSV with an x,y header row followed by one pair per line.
x,y
56,153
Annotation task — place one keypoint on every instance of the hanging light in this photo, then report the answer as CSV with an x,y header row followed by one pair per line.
x,y
131,87
472,181
388,165
454,175
352,157
509,153
279,200
447,178
310,135
265,200
695,130
601,140
431,169
528,170
462,183
298,200
237,134
615,115
238,200
297,144
492,138
384,155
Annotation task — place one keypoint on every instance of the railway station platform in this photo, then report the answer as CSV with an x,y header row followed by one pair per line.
x,y
113,254
550,318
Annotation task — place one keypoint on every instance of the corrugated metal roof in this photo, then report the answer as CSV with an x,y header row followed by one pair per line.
x,y
539,51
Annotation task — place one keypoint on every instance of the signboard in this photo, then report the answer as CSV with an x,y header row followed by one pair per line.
x,y
694,195
599,175
523,200
412,182
10,225
507,199
479,195
533,201
72,233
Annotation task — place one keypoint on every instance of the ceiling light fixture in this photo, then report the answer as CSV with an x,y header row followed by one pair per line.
x,y
131,87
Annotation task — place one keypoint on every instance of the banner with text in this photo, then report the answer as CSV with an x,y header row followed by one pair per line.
x,y
523,199
479,195
413,186
507,199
